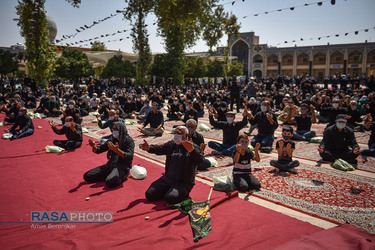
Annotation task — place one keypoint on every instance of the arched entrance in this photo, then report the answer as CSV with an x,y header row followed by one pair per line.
x,y
258,74
241,50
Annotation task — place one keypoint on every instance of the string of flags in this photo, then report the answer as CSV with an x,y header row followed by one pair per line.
x,y
98,37
328,36
320,3
86,27
109,41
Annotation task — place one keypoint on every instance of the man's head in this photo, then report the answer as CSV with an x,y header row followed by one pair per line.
x,y
335,103
68,120
341,121
191,125
230,115
71,104
304,109
180,134
287,133
188,105
155,107
353,105
23,110
265,106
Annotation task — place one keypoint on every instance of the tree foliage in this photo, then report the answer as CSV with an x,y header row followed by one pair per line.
x,y
73,64
181,24
195,67
235,69
137,12
214,30
98,46
160,66
7,63
118,68
215,69
41,57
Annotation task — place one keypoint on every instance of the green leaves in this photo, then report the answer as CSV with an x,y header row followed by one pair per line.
x,y
7,63
118,68
73,64
98,46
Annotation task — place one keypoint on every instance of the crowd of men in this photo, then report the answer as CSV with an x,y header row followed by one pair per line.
x,y
346,104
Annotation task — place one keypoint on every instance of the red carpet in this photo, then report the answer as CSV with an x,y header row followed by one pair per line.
x,y
37,181
344,237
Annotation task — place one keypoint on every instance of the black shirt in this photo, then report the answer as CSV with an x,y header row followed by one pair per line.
x,y
284,157
230,131
303,123
243,160
191,112
180,164
264,126
24,122
197,138
372,135
338,142
331,113
154,119
70,134
114,158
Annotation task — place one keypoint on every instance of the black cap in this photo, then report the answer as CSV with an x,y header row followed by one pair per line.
x,y
341,117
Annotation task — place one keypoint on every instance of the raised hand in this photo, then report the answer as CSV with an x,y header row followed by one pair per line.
x,y
51,123
188,145
112,146
257,146
210,111
357,151
270,117
320,149
91,143
281,144
144,146
289,146
369,117
238,147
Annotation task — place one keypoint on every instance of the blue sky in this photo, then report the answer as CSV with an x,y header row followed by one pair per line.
x,y
273,28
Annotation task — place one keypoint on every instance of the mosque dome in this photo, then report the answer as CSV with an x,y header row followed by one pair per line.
x,y
52,28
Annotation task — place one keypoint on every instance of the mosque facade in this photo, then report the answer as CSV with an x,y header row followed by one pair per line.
x,y
321,61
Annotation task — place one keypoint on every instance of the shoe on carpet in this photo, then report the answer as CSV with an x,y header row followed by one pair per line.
x,y
293,171
266,149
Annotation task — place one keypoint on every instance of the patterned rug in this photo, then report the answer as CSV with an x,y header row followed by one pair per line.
x,y
330,194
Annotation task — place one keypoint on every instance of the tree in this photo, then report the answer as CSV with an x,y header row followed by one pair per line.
x,y
235,69
118,68
98,46
160,66
41,57
231,28
137,12
214,30
7,63
215,68
73,64
181,23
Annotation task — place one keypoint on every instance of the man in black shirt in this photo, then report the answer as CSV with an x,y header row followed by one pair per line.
x,y
156,120
354,117
73,132
72,111
235,93
339,142
25,124
198,139
52,107
231,131
333,111
370,126
183,156
83,107
267,124
173,109
120,154
303,121
190,112
30,101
